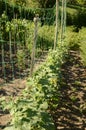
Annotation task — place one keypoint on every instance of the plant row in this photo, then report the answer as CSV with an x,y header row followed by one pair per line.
x,y
15,11
31,111
78,18
21,12
16,41
22,33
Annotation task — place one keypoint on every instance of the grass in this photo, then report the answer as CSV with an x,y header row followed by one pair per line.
x,y
82,35
71,11
77,41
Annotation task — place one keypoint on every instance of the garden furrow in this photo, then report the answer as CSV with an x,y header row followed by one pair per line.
x,y
71,111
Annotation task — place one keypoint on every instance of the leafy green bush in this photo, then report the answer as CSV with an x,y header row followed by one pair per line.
x,y
73,39
45,37
82,35
13,9
77,41
31,109
76,16
21,59
80,18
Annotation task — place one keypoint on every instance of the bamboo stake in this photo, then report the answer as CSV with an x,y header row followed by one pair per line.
x,y
62,21
11,60
34,45
56,27
65,15
3,62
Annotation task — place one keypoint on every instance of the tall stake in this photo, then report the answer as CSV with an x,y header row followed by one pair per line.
x,y
62,21
11,60
56,27
65,15
34,45
3,62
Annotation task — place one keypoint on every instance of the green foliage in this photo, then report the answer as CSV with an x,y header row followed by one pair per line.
x,y
23,3
3,20
24,8
28,10
45,37
14,10
77,41
73,98
76,15
79,2
21,58
82,35
46,3
22,32
73,40
16,26
80,18
31,109
77,83
71,1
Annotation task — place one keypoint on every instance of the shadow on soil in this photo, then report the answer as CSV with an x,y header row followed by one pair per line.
x,y
71,111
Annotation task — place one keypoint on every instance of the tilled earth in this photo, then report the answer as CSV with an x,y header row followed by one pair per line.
x,y
14,89
71,111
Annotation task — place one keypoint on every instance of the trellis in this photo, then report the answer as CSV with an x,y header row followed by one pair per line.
x,y
13,46
13,50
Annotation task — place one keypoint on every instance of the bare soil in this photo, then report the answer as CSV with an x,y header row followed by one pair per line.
x,y
14,89
71,111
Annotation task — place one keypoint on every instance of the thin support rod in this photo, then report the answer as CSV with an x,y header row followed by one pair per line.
x,y
18,48
63,20
65,15
3,63
56,27
34,46
11,60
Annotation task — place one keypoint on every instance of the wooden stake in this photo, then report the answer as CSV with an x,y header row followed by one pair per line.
x,y
34,45
56,27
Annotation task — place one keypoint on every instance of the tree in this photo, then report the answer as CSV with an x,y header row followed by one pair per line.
x,y
81,2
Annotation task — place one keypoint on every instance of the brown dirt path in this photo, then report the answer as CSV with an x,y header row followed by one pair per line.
x,y
71,111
